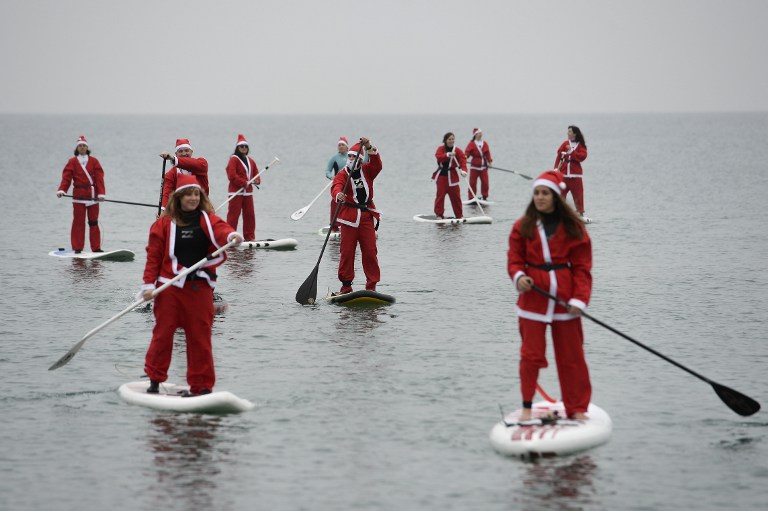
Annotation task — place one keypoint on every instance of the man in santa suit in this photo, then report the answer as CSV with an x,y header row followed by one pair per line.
x,y
480,154
86,176
358,216
242,173
183,164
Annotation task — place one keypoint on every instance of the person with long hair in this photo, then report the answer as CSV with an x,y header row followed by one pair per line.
x,y
570,154
549,247
450,161
187,232
480,153
183,164
86,176
241,169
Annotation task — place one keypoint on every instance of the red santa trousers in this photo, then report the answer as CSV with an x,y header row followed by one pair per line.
x,y
575,185
334,205
365,234
78,226
473,175
189,308
245,204
568,340
453,193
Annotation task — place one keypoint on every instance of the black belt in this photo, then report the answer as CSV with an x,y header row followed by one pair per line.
x,y
195,276
83,186
549,266
363,207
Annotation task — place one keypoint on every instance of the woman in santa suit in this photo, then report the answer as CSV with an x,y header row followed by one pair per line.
x,y
187,232
480,154
549,247
183,164
446,177
570,154
358,216
86,176
241,169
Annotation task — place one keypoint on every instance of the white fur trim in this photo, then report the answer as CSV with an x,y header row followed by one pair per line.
x,y
183,146
577,303
549,184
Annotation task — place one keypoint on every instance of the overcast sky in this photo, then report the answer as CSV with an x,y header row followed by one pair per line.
x,y
384,56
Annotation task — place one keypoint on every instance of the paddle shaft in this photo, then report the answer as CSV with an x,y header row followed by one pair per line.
x,y
162,185
301,212
254,178
477,199
111,200
511,171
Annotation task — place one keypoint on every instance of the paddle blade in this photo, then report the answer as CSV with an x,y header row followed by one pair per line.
x,y
69,356
298,214
736,401
308,291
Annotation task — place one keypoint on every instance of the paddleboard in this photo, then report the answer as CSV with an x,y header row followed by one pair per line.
x,y
220,305
474,202
362,297
219,402
586,220
270,244
450,220
111,255
544,439
323,231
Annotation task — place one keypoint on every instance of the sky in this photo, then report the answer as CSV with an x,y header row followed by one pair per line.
x,y
382,57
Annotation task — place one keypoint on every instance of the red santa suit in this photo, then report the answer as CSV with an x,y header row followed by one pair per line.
x,y
188,303
570,165
358,219
86,176
447,179
562,266
480,154
239,173
197,167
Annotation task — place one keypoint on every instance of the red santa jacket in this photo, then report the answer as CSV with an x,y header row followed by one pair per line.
x,y
481,158
573,284
86,181
162,264
197,167
238,175
575,154
453,174
350,214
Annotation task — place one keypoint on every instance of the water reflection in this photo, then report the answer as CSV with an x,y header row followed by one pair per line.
x,y
357,322
83,271
559,484
241,263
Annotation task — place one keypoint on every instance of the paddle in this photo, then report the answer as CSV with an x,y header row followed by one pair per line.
x,y
736,401
477,199
111,200
162,184
258,174
511,171
71,353
301,212
307,292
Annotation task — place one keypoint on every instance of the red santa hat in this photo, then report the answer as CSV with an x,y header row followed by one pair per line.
x,y
81,140
553,180
343,140
475,131
355,150
183,181
182,143
241,140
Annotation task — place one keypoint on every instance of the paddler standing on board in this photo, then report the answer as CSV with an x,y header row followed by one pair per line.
x,y
358,217
86,176
184,164
450,160
480,154
335,164
241,169
570,154
549,247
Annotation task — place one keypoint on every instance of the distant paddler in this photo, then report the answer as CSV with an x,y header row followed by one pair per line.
x,y
183,164
243,175
450,161
479,154
570,154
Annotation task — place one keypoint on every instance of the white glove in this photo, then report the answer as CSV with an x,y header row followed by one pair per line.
x,y
463,173
59,194
234,235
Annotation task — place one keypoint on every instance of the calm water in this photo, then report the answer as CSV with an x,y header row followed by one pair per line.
x,y
390,408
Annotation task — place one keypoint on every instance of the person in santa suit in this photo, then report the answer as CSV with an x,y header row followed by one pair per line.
x,y
86,176
450,160
241,169
187,232
570,154
335,164
549,247
480,154
358,216
183,163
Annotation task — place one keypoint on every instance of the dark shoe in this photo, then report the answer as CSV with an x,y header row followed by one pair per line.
x,y
98,250
78,251
204,392
154,387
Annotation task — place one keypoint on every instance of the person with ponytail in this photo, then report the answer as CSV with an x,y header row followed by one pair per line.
x,y
570,154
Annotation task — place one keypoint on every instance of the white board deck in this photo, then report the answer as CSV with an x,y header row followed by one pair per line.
x,y
450,220
548,440
218,402
110,255
586,220
474,202
323,231
281,244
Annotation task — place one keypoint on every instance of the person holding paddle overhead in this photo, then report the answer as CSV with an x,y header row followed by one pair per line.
x,y
446,177
335,164
86,176
183,164
241,169
480,152
549,248
358,217
187,232
570,154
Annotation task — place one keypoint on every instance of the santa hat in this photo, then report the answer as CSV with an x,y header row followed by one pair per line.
x,y
475,131
81,140
183,181
182,143
355,149
551,179
241,140
343,140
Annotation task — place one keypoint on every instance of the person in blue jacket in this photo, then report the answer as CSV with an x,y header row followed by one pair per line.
x,y
335,164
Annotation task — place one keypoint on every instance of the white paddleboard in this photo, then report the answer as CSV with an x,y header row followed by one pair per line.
x,y
544,440
323,231
111,255
474,202
586,220
450,220
168,398
282,244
